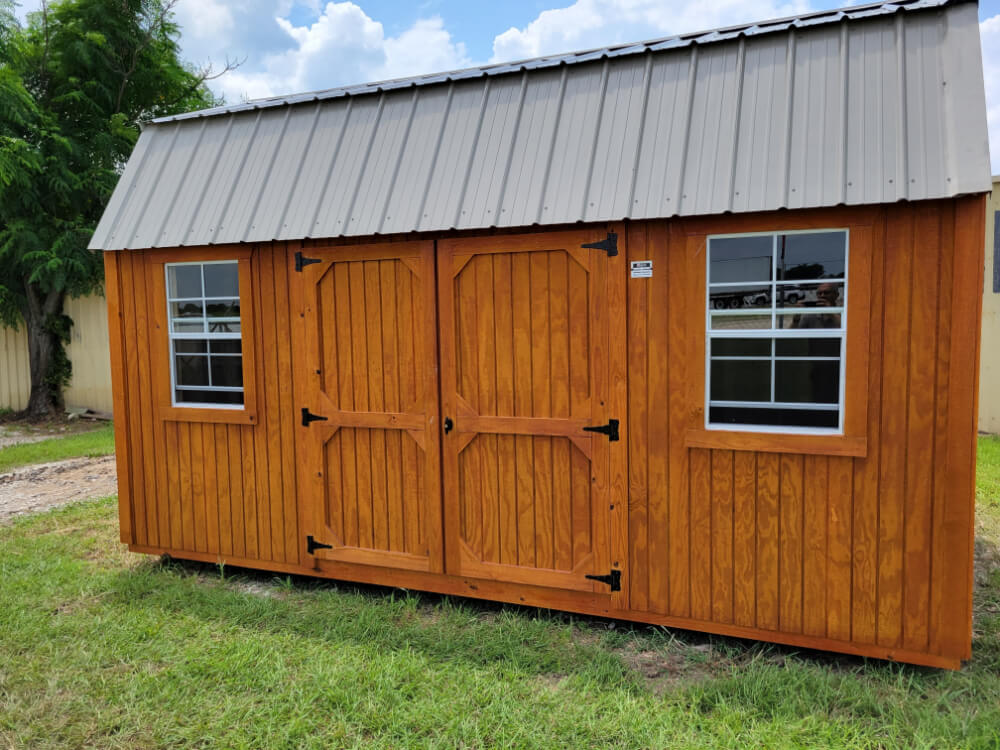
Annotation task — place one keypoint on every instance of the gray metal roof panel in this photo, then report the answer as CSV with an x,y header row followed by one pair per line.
x,y
833,110
408,186
530,153
310,179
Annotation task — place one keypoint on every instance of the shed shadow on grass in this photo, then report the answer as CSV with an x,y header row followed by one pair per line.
x,y
549,644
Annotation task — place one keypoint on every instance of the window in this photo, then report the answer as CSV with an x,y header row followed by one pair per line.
x,y
776,328
206,347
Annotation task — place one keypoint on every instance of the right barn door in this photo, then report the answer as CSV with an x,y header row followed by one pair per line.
x,y
524,373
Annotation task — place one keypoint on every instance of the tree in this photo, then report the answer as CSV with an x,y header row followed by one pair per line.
x,y
75,83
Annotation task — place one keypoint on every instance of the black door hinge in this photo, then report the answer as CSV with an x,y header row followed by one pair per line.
x,y
302,261
308,417
610,429
609,245
312,545
613,579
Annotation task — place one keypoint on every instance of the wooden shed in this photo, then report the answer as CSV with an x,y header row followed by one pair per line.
x,y
682,332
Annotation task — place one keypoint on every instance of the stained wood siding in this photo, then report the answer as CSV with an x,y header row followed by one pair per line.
x,y
873,549
861,542
209,488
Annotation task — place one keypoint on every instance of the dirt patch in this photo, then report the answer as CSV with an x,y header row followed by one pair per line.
x,y
35,488
15,431
987,560
10,437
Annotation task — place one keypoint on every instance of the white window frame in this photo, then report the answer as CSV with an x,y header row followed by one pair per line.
x,y
205,335
772,334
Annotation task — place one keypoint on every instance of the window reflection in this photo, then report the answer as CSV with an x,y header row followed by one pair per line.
x,y
763,292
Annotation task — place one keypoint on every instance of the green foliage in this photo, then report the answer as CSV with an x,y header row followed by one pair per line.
x,y
75,84
988,485
60,369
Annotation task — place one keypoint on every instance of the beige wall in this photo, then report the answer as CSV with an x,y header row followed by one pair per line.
x,y
989,375
14,383
87,350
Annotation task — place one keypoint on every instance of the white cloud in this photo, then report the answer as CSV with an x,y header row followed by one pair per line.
x,y
344,46
597,23
207,21
426,47
989,32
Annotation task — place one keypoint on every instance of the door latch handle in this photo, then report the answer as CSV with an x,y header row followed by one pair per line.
x,y
448,425
610,429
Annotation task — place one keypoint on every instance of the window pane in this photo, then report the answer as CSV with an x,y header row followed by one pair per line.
x,y
735,380
184,280
807,381
186,310
774,417
222,279
191,369
828,294
741,347
808,347
223,326
189,326
191,346
739,297
227,371
226,346
813,255
740,259
808,319
740,322
208,397
229,308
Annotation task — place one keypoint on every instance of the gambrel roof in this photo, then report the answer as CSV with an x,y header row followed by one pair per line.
x,y
872,104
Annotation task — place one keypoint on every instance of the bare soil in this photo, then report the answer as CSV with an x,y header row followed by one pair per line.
x,y
35,488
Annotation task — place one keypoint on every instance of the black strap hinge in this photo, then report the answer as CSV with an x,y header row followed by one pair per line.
x,y
609,245
312,545
302,261
613,579
308,417
610,429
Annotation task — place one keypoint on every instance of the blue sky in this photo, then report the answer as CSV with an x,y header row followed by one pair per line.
x,y
303,45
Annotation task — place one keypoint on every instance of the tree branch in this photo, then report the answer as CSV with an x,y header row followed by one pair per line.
x,y
147,39
205,74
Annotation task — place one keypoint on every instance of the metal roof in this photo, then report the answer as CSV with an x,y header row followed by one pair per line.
x,y
872,104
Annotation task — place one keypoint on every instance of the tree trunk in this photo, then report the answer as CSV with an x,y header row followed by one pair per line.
x,y
44,350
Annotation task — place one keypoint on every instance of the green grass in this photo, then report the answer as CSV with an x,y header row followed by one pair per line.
x,y
103,648
988,487
98,442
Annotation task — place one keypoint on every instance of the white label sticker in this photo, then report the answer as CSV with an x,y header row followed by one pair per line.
x,y
642,269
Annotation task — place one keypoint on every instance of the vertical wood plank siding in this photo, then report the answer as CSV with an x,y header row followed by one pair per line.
x,y
221,490
866,549
873,549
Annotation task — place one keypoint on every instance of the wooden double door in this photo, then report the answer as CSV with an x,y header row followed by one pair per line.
x,y
448,391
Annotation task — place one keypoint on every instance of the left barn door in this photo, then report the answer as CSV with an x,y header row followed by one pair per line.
x,y
368,405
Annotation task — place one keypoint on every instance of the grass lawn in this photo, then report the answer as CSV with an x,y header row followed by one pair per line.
x,y
96,442
102,648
